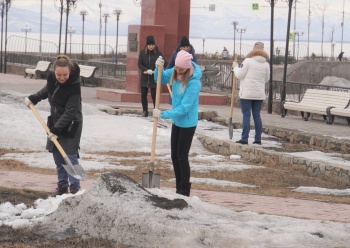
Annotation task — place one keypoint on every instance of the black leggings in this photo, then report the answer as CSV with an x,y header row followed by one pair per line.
x,y
181,140
144,102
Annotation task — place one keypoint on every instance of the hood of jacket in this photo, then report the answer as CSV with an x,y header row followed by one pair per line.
x,y
261,53
197,72
74,77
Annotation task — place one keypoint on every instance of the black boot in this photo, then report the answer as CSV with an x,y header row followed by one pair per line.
x,y
60,190
185,189
177,188
145,114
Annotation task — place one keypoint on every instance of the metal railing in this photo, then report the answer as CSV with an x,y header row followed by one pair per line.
x,y
294,90
105,69
220,83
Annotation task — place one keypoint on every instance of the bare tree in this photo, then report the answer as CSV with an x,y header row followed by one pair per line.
x,y
321,13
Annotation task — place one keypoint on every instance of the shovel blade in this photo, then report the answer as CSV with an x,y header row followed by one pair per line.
x,y
230,128
150,180
76,171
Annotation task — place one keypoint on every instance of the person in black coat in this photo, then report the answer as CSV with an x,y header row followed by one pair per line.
x,y
65,122
146,63
184,45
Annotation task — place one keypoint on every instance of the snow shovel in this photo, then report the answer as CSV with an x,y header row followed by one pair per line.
x,y
77,170
151,180
230,125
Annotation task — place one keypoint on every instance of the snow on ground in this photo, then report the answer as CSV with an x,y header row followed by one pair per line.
x,y
335,81
128,216
20,130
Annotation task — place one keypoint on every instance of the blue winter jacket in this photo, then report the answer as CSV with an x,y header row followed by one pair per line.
x,y
185,100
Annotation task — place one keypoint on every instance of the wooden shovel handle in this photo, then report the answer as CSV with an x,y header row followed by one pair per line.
x,y
233,87
171,95
155,119
53,139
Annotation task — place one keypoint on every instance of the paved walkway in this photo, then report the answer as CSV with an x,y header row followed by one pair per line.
x,y
239,202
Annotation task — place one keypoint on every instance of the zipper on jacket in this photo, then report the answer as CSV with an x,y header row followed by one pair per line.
x,y
53,95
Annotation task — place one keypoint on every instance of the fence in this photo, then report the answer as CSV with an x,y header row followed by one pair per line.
x,y
105,69
294,90
73,50
222,82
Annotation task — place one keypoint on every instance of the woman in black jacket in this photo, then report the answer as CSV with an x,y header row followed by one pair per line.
x,y
146,63
66,120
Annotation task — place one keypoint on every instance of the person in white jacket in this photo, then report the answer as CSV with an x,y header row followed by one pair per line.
x,y
253,74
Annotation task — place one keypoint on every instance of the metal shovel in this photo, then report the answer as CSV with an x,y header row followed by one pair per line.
x,y
230,125
77,170
151,180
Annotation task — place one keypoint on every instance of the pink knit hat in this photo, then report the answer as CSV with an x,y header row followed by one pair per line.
x,y
183,59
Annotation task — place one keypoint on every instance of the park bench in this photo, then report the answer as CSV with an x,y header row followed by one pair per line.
x,y
333,111
322,102
87,74
41,69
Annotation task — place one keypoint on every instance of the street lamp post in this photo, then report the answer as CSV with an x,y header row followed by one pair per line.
x,y
70,5
100,28
203,39
342,28
71,31
333,45
283,93
105,15
240,30
2,6
117,13
269,102
26,29
298,34
83,13
7,7
234,23
60,9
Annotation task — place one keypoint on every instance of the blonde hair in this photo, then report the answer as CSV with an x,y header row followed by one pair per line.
x,y
185,77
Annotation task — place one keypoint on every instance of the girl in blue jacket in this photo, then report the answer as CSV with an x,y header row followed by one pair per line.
x,y
186,86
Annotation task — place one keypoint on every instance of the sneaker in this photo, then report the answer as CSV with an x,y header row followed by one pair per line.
x,y
257,142
73,189
242,142
60,191
145,114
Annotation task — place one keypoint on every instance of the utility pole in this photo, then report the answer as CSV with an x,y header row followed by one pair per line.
x,y
269,103
100,30
234,23
283,93
295,26
41,26
308,32
342,29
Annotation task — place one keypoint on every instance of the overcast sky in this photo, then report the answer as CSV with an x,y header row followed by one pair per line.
x,y
212,24
131,219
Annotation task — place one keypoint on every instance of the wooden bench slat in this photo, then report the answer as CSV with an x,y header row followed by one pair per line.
x,y
42,68
87,74
323,102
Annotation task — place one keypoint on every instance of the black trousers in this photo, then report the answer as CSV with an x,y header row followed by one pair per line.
x,y
181,141
144,102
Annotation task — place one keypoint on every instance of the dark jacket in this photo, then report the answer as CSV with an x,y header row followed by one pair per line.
x,y
147,61
66,120
171,63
